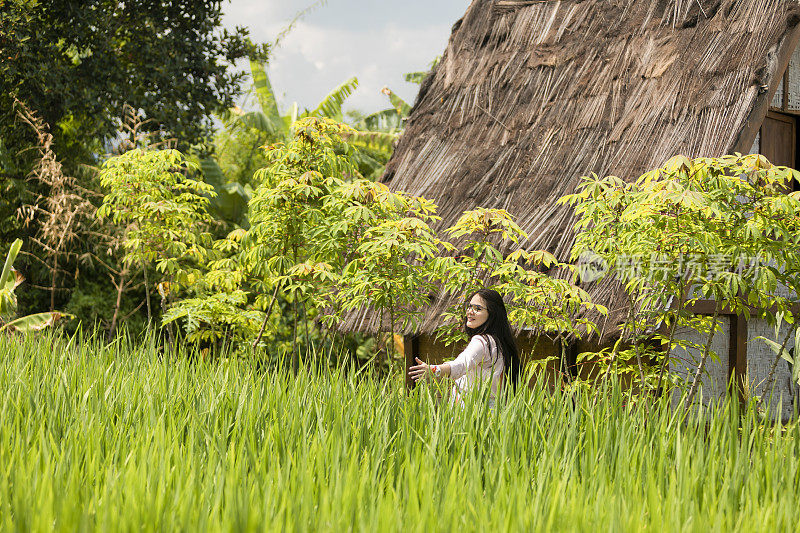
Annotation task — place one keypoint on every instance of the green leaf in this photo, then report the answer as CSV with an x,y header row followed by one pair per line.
x,y
331,105
9,280
231,202
35,322
402,108
212,173
273,122
6,278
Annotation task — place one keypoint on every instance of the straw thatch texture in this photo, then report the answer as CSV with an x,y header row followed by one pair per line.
x,y
531,95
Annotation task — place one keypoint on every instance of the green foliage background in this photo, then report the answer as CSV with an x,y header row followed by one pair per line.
x,y
76,64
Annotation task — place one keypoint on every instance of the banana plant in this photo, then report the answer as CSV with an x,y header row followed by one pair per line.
x,y
391,120
374,135
419,76
372,138
10,279
377,133
268,117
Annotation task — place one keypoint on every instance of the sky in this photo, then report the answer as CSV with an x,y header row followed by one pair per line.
x,y
376,41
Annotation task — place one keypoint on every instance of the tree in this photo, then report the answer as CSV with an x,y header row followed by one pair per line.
x,y
83,60
287,212
717,228
163,209
76,63
245,130
537,301
389,271
236,144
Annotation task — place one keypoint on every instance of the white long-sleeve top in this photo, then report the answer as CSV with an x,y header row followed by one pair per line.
x,y
481,360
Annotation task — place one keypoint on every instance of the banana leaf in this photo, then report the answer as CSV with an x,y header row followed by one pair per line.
x,y
231,200
9,280
212,173
259,121
416,77
399,105
231,203
386,120
270,119
331,105
6,276
35,322
380,142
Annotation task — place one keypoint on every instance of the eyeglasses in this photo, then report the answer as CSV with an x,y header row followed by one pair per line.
x,y
475,307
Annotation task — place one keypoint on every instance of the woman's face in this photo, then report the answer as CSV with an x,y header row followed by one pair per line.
x,y
477,313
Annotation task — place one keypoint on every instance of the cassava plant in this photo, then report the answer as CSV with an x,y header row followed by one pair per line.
x,y
544,299
323,238
389,272
289,222
151,193
538,302
471,263
216,310
723,229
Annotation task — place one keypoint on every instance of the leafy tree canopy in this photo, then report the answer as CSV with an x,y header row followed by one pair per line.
x,y
78,63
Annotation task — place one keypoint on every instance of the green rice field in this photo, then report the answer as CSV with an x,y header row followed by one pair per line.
x,y
114,437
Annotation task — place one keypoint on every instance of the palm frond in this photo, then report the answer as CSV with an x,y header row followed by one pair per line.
x,y
267,99
331,105
387,120
402,108
377,141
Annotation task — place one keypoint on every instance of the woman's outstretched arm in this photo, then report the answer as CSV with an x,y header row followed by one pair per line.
x,y
471,356
422,369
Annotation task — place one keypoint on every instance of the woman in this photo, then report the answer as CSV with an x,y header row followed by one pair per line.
x,y
490,354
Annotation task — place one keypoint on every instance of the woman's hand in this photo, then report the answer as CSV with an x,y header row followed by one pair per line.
x,y
420,370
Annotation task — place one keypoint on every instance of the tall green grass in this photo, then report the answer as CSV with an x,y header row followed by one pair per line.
x,y
115,437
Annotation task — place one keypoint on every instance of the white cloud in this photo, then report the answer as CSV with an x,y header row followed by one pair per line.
x,y
257,15
313,60
315,57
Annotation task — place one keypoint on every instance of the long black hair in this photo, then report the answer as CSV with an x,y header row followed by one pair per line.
x,y
498,327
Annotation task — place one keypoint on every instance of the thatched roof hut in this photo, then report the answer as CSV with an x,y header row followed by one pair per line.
x,y
530,95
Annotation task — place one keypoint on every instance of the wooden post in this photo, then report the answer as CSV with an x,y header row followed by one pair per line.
x,y
737,356
410,352
737,345
747,134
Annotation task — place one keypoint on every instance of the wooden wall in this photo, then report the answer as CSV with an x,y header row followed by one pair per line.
x,y
787,97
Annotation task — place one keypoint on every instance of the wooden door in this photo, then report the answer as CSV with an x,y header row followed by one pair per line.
x,y
778,139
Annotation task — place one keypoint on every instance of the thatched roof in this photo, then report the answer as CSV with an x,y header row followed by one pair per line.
x,y
531,95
